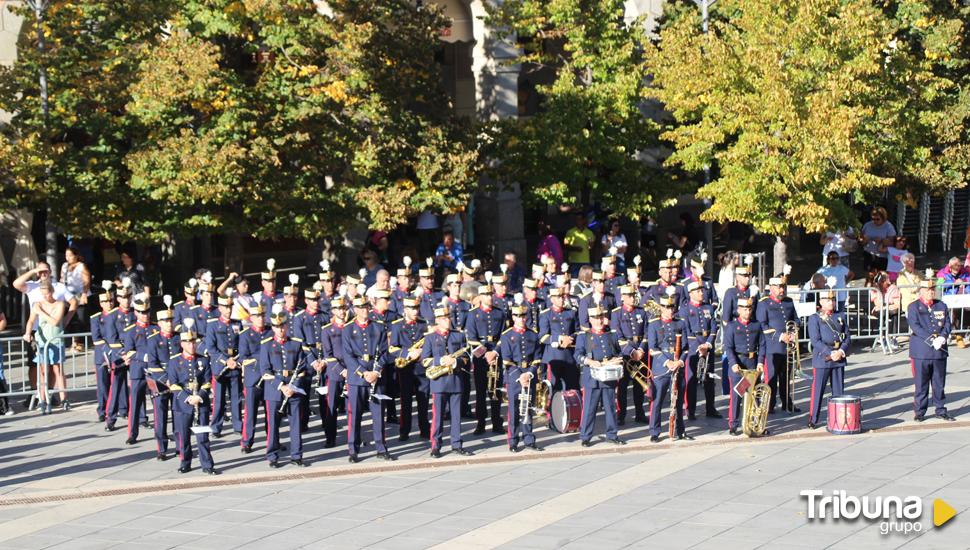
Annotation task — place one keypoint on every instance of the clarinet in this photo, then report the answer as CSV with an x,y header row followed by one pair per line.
x,y
674,392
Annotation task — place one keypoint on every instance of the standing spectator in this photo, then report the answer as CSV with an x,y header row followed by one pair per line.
x,y
614,238
379,243
894,257
841,241
131,270
548,243
76,277
514,272
877,236
455,222
954,277
835,269
448,254
648,241
427,227
725,277
372,266
578,241
908,280
237,287
45,328
688,237
5,408
584,283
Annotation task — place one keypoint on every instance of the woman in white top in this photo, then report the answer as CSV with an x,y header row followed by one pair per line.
x,y
725,278
47,313
877,236
77,280
614,238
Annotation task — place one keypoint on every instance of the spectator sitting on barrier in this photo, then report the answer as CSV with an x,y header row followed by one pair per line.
x,y
908,280
884,294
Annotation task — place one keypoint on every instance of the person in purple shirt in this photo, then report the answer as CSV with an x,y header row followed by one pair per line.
x,y
548,244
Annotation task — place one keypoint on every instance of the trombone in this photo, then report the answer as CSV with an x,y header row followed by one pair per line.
x,y
793,362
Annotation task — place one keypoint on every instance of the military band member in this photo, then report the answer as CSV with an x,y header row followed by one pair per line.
x,y
629,321
291,306
667,365
598,298
775,312
250,344
189,378
403,288
281,364
365,350
483,329
268,295
134,353
104,332
697,264
702,327
500,299
334,370
381,311
558,327
594,347
429,297
327,287
407,336
186,308
744,343
533,303
829,333
612,280
929,319
667,269
444,346
163,345
222,348
729,309
124,316
520,354
633,280
207,310
308,326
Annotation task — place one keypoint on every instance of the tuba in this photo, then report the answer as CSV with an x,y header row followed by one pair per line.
x,y
542,401
754,410
793,362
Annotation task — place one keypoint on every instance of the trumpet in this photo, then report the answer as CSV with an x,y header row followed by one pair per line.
x,y
435,372
525,402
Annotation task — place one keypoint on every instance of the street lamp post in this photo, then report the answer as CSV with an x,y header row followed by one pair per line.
x,y
704,5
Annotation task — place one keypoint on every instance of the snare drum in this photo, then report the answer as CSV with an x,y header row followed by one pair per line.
x,y
566,411
606,373
845,415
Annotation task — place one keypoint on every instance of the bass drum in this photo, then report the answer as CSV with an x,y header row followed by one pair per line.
x,y
565,411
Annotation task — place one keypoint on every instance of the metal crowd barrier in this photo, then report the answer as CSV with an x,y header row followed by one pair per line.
x,y
77,365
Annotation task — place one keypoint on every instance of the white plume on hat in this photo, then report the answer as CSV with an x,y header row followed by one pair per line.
x,y
342,289
748,259
361,288
325,265
677,254
671,291
107,285
294,279
670,253
193,282
488,277
429,261
189,323
636,260
406,261
167,300
277,308
786,270
503,267
476,263
125,282
830,281
270,264
929,273
612,251
564,267
460,266
560,280
362,272
518,298
703,257
753,290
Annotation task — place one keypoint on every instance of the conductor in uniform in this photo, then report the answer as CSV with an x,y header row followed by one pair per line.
x,y
829,332
929,319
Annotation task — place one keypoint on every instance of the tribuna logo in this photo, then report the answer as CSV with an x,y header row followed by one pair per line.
x,y
897,514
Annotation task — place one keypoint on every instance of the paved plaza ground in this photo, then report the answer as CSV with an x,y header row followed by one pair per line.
x,y
65,483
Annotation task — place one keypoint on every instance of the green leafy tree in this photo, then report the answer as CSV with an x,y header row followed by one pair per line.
x,y
802,107
262,117
590,139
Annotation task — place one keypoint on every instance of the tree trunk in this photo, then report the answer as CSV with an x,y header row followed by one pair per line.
x,y
780,253
233,256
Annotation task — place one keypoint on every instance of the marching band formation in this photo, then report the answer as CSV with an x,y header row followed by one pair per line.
x,y
548,356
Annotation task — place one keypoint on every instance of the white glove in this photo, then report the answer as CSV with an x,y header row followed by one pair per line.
x,y
938,342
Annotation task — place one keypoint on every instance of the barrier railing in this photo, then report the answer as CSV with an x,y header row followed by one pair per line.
x,y
77,364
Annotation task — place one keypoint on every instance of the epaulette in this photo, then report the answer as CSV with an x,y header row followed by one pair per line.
x,y
195,306
763,298
327,325
473,309
614,309
96,314
298,313
430,332
398,320
211,319
265,340
244,331
544,310
154,334
129,327
506,330
180,302
296,339
112,310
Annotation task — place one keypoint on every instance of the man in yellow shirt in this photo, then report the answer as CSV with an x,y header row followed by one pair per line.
x,y
578,241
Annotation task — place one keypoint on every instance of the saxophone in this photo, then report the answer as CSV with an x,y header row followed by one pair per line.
x,y
401,362
436,372
754,410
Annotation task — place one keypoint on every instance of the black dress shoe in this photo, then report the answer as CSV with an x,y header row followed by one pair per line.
x,y
329,444
654,438
641,420
734,431
101,418
714,414
161,457
795,410
386,456
246,450
812,426
621,421
211,471
616,441
274,464
216,435
131,441
771,411
919,418
299,462
533,446
146,425
498,430
479,430
464,452
586,443
353,459
513,448
403,437
109,428
945,416
685,436
691,416
185,469
435,453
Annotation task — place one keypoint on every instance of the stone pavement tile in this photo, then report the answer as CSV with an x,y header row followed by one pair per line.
x,y
111,517
167,539
356,538
155,522
184,511
246,530
388,529
821,535
11,513
536,542
721,516
72,530
201,526
35,541
444,529
217,542
233,516
403,543
411,517
84,543
147,545
869,537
